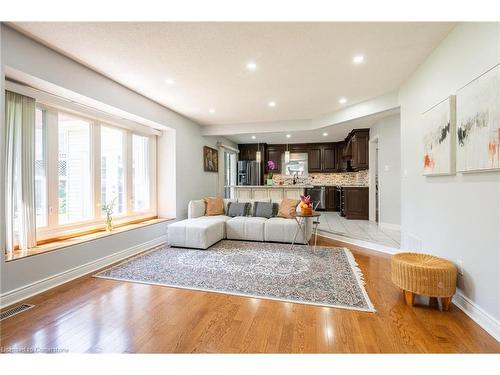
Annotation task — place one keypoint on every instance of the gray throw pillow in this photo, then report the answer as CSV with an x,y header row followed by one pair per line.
x,y
238,209
265,209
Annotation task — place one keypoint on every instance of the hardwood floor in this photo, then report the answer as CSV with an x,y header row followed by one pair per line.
x,y
98,315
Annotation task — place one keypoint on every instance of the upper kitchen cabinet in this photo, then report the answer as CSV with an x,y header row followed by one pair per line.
x,y
249,150
274,153
330,155
314,157
357,147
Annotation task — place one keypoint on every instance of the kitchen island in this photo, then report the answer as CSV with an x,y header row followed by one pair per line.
x,y
275,192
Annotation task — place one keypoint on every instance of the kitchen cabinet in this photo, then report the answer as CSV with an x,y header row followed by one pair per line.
x,y
357,148
345,156
355,202
331,203
248,151
330,154
274,153
314,159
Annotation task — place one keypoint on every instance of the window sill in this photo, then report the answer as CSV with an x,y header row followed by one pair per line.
x,y
82,237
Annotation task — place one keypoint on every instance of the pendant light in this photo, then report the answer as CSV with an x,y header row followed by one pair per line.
x,y
258,156
287,154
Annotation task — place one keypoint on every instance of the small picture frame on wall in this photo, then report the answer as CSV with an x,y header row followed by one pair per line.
x,y
210,159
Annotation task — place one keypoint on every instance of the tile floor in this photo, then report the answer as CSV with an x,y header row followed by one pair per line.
x,y
364,230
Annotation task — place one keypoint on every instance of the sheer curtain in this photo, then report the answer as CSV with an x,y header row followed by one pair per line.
x,y
20,171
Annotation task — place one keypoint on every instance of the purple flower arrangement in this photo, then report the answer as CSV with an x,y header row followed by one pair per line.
x,y
270,166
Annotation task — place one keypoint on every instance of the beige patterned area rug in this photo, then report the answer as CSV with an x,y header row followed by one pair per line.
x,y
326,276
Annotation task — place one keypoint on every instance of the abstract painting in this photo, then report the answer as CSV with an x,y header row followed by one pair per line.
x,y
439,139
210,159
478,123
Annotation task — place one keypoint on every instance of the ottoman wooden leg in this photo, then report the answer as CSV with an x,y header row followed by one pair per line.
x,y
445,303
409,297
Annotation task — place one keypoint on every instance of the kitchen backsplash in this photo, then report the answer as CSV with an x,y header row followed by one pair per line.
x,y
340,179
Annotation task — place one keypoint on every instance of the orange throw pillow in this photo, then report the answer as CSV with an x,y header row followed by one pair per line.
x,y
215,206
287,208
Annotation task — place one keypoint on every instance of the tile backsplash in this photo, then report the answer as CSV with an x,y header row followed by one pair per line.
x,y
340,179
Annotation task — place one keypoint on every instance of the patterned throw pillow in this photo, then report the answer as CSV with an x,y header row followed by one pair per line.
x,y
238,209
287,208
265,209
215,206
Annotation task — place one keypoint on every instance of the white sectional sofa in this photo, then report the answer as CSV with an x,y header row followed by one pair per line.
x,y
200,231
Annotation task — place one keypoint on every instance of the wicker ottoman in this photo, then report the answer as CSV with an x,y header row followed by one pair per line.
x,y
426,275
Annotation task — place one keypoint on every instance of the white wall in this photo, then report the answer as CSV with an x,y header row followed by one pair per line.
x,y
30,57
456,217
388,134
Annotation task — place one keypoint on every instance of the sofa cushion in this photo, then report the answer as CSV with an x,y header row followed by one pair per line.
x,y
278,229
252,201
226,203
196,208
238,209
288,207
246,228
215,206
265,209
195,233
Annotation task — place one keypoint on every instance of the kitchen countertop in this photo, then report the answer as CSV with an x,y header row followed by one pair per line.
x,y
289,186
270,186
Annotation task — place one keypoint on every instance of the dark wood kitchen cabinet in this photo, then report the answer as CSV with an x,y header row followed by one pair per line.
x,y
314,158
249,150
274,153
355,201
330,154
331,198
359,143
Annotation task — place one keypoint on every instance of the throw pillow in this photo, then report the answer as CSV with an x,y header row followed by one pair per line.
x,y
265,209
215,206
238,209
287,208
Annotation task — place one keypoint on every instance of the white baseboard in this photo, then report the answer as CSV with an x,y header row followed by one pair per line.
x,y
473,311
477,314
26,291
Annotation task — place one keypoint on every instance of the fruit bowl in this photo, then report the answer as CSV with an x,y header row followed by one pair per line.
x,y
306,210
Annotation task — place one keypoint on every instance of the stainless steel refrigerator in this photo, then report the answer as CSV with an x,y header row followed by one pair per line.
x,y
249,173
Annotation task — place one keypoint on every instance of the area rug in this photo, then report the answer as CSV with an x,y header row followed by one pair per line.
x,y
325,276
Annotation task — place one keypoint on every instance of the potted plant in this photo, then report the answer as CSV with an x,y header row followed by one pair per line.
x,y
270,167
108,209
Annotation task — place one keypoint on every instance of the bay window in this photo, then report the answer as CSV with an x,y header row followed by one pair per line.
x,y
80,164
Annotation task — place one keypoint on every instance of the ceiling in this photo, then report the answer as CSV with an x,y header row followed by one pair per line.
x,y
304,67
334,133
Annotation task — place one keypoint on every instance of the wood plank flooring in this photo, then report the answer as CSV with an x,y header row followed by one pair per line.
x,y
98,315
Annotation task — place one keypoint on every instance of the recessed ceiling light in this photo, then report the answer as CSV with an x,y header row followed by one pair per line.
x,y
271,104
252,66
211,110
253,137
169,81
342,100
288,135
325,134
358,59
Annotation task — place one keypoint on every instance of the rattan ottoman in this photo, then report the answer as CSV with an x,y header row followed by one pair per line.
x,y
425,275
